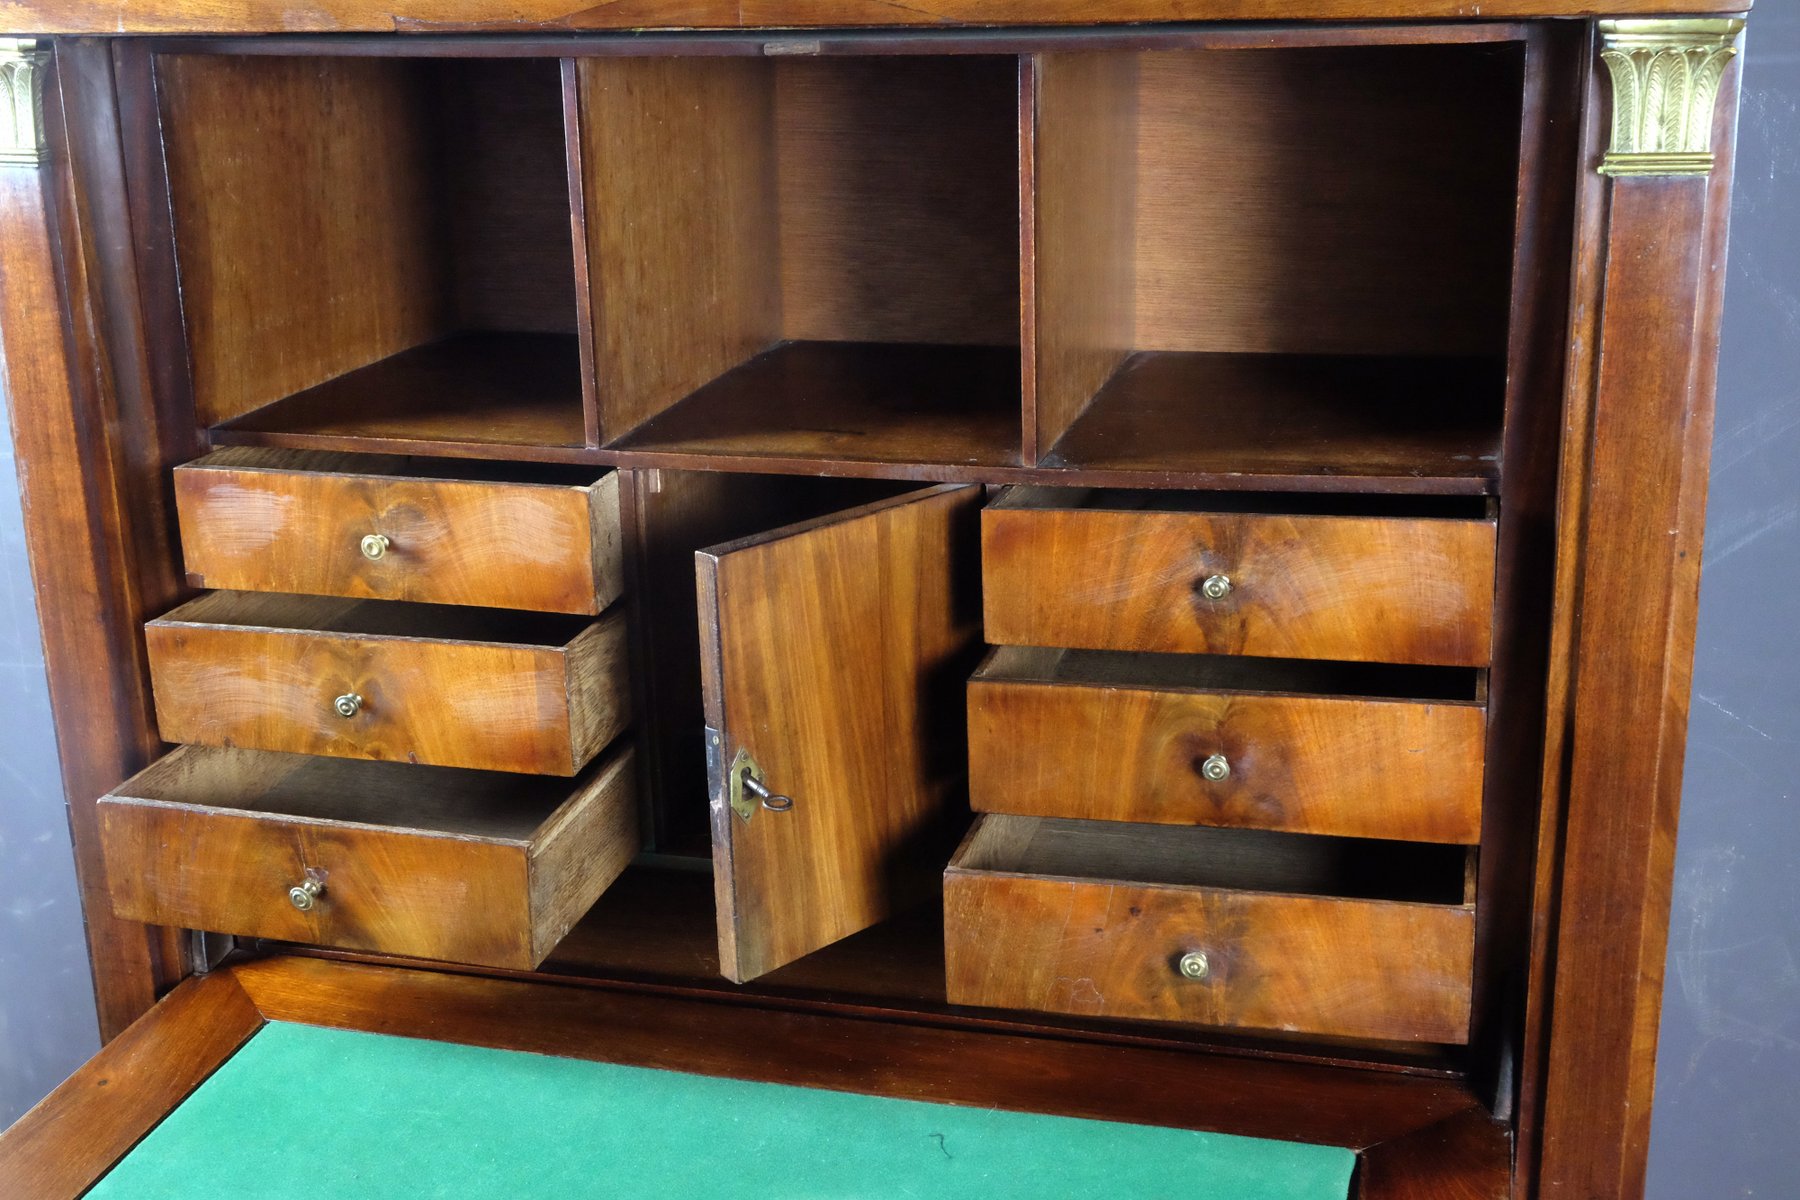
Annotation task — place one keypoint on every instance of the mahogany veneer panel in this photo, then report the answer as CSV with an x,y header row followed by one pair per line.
x,y
256,519
1078,734
459,687
840,682
1372,419
1124,571
466,866
1091,918
515,390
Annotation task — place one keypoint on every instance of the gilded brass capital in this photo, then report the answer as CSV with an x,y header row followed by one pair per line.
x,y
21,100
1665,80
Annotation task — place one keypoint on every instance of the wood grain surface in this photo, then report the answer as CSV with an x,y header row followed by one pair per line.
x,y
1154,1085
463,866
1089,576
901,403
1083,204
443,16
1322,201
93,438
1022,932
1368,420
843,684
256,519
437,685
306,246
1063,734
897,197
93,1119
481,395
678,162
1629,576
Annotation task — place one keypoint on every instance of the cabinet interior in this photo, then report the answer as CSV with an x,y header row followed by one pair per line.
x,y
771,288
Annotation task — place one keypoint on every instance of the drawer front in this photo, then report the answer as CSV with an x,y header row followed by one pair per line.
x,y
1362,589
490,706
1350,767
493,901
537,547
1099,948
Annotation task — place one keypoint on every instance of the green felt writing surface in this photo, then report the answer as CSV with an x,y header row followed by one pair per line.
x,y
302,1113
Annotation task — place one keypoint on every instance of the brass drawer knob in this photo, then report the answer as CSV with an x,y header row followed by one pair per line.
x,y
347,705
1193,965
1216,587
304,895
1216,768
375,546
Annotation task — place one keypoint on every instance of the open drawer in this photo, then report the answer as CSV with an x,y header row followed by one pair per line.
x,y
464,866
1393,579
1347,749
387,527
420,683
1235,928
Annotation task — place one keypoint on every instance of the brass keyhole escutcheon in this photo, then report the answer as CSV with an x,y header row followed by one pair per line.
x,y
375,546
347,705
1193,965
1216,587
304,895
1216,768
744,787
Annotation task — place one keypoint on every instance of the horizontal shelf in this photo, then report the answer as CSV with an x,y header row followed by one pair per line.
x,y
472,395
1290,420
1233,422
851,402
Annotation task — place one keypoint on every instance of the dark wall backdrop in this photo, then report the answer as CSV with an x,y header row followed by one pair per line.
x,y
1727,1117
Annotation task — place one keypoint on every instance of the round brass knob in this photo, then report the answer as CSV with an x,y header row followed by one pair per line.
x,y
1194,965
347,705
304,895
375,546
1216,587
1216,768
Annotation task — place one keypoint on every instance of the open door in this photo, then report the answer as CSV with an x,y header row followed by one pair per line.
x,y
834,654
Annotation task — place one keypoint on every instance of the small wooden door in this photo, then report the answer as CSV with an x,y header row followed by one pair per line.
x,y
834,656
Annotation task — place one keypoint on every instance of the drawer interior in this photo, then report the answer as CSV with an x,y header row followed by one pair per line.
x,y
375,246
489,805
397,466
1043,497
1232,859
1232,673
378,618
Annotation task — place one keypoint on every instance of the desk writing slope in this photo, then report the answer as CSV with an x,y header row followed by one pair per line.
x,y
302,1111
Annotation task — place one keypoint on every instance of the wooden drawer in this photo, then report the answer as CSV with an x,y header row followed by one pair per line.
x,y
1350,749
1107,570
541,538
453,687
467,866
1326,936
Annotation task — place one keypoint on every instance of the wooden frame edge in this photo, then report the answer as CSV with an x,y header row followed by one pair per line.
x,y
81,1130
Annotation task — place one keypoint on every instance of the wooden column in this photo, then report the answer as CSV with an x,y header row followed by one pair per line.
x,y
1640,403
85,523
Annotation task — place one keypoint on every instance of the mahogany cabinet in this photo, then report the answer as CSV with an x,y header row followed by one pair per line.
x,y
1087,544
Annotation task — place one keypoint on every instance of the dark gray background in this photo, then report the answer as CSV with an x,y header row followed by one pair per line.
x,y
1727,1117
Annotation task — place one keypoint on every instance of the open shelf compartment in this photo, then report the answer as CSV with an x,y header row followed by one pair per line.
x,y
1291,264
806,259
375,251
